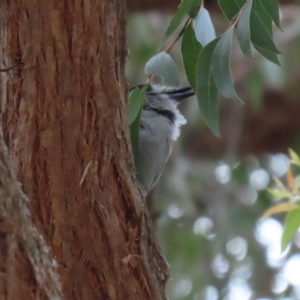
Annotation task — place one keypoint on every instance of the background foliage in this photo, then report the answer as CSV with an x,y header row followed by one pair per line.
x,y
208,205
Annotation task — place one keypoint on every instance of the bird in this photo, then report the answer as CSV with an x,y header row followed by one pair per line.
x,y
159,127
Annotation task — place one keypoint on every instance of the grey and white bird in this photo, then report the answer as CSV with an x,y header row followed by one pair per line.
x,y
159,128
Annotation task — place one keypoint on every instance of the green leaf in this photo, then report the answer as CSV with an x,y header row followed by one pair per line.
x,y
271,56
243,30
298,1
231,8
280,193
164,66
194,10
136,102
261,28
272,9
135,127
262,33
190,50
183,10
297,180
291,225
294,157
221,66
204,28
207,92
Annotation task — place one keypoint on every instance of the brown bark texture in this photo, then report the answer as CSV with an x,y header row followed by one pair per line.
x,y
64,119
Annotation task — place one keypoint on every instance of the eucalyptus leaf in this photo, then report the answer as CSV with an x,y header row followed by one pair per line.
x,y
221,65
291,225
297,180
136,102
138,99
294,157
164,66
261,28
271,56
262,33
186,7
204,28
272,9
194,10
231,7
190,50
280,193
207,92
243,30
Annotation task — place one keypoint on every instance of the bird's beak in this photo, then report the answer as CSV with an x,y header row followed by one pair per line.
x,y
180,93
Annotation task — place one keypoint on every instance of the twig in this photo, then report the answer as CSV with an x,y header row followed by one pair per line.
x,y
168,49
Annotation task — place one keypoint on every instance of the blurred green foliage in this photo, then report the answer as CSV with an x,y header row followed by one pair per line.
x,y
207,211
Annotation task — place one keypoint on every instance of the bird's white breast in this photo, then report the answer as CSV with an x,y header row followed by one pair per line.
x,y
178,122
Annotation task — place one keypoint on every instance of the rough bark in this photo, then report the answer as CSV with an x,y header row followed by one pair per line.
x,y
64,118
24,253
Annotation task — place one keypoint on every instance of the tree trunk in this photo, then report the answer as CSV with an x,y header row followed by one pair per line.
x,y
64,119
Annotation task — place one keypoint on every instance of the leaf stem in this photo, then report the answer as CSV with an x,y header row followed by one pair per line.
x,y
168,49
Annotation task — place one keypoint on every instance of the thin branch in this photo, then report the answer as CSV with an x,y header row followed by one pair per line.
x,y
169,48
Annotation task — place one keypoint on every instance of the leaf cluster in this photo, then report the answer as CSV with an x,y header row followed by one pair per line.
x,y
289,195
206,58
